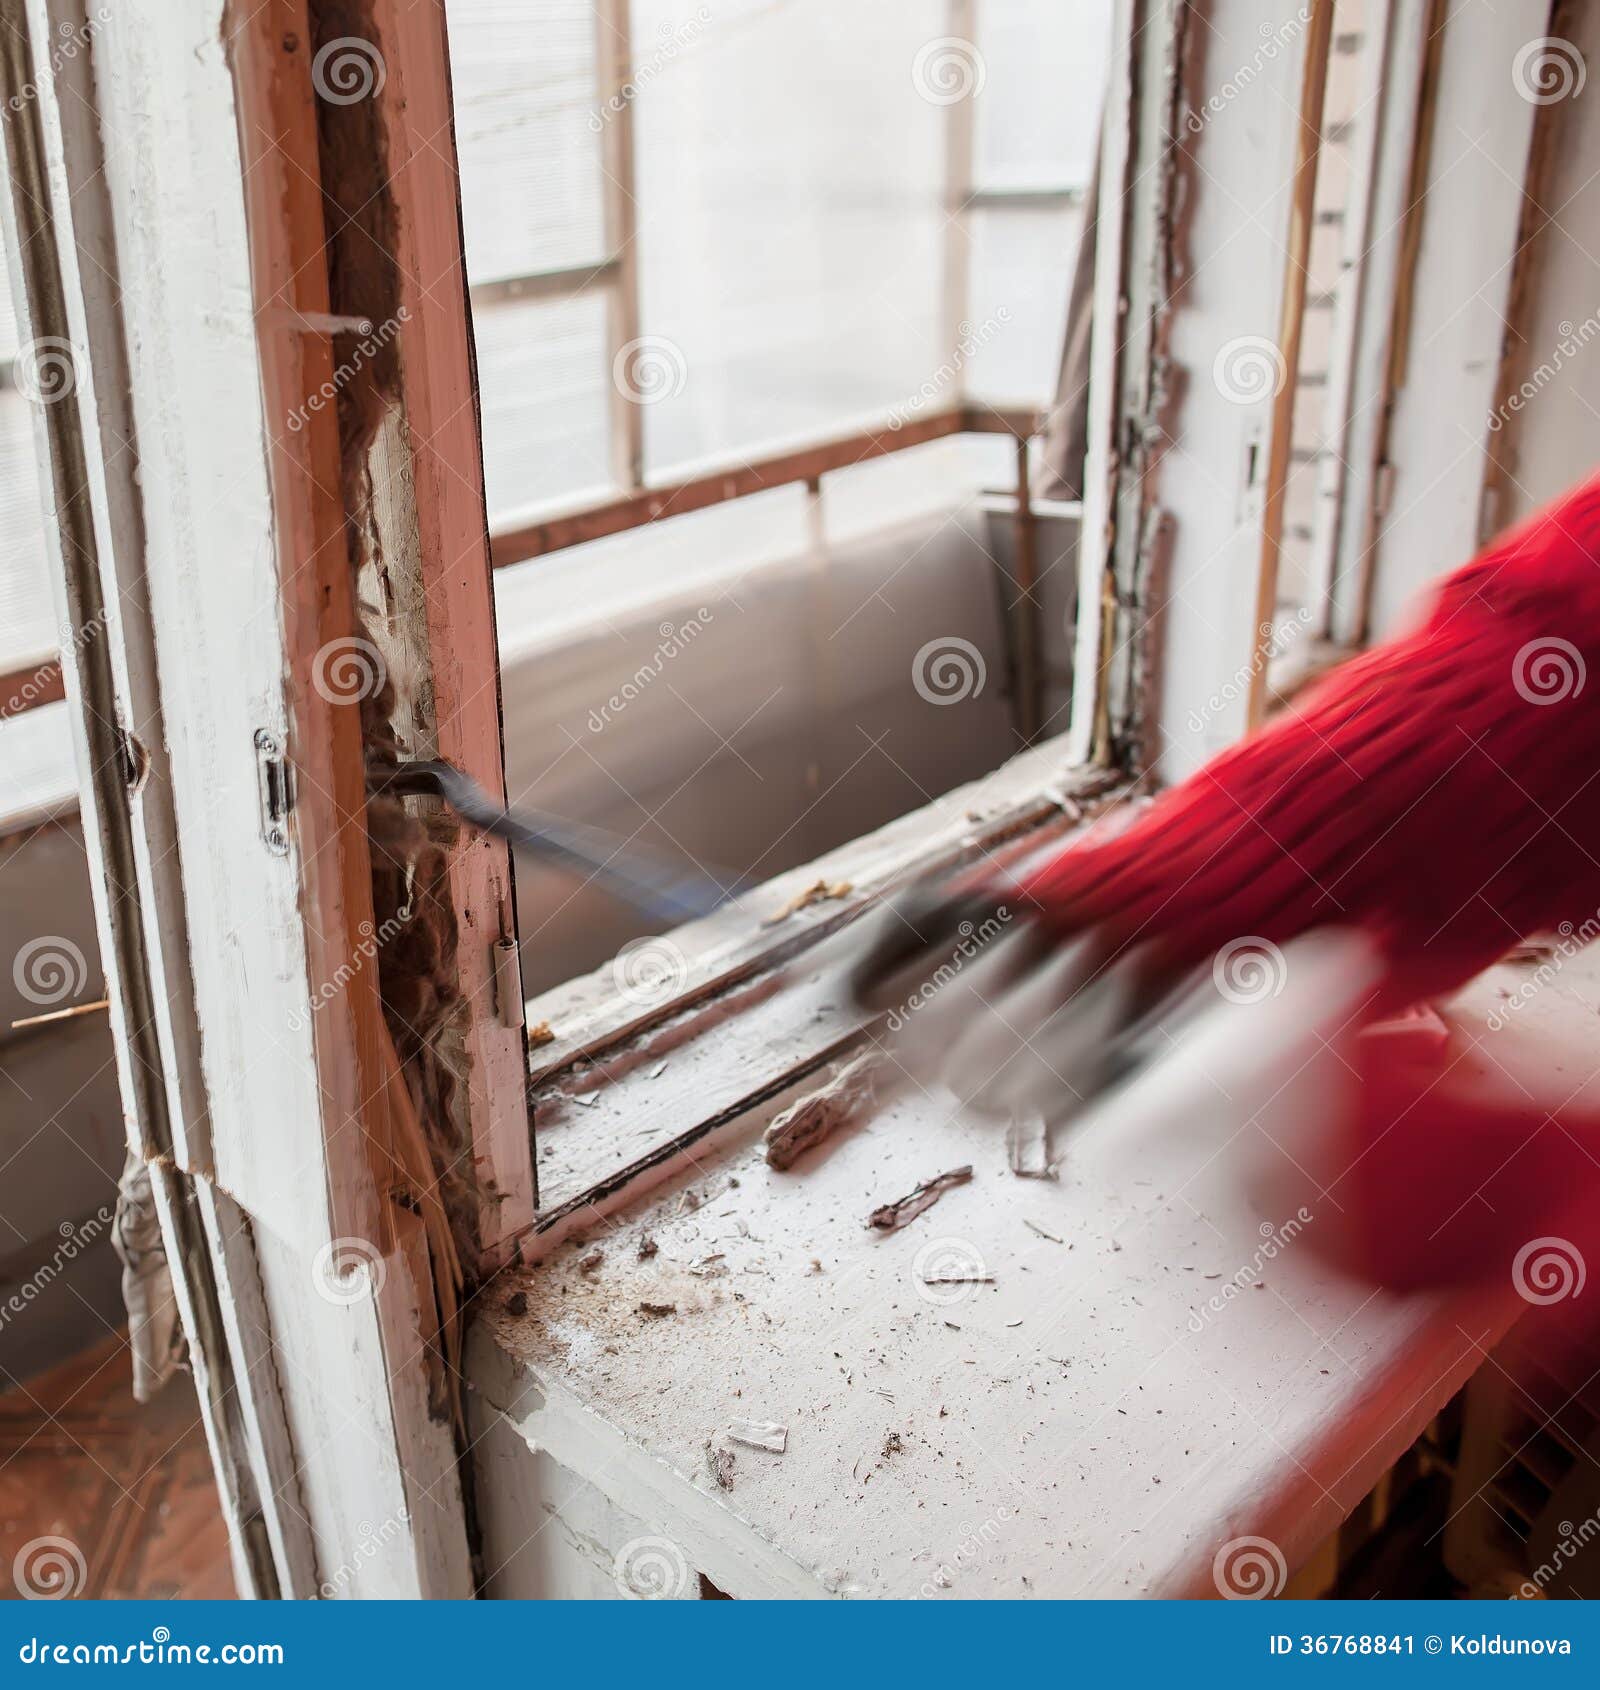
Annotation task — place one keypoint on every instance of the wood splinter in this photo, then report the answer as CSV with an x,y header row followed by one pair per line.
x,y
892,1216
819,892
814,1117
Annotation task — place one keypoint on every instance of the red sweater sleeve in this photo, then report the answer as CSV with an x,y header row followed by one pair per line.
x,y
1442,790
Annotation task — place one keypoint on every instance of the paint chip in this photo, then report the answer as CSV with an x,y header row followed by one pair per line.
x,y
760,1434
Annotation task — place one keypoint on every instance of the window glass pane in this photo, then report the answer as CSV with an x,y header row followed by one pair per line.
x,y
790,180
527,135
27,619
1021,272
1044,74
543,383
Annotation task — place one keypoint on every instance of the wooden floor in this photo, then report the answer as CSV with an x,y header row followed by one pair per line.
x,y
123,1492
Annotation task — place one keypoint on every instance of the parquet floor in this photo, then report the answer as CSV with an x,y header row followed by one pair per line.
x,y
124,1491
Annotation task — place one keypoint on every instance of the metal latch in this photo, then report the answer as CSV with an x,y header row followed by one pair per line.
x,y
272,784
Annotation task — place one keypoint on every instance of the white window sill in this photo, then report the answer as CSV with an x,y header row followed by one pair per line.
x,y
1069,1415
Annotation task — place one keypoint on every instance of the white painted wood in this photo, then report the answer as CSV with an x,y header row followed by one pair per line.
x,y
1371,229
1119,1404
1105,337
1240,133
960,134
1439,434
159,292
85,447
1347,528
614,69
1546,423
551,1536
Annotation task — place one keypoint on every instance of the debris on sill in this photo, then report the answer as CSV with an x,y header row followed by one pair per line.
x,y
591,1262
958,1279
811,1119
759,1434
892,1216
543,1034
647,1247
517,1303
819,892
1033,1226
1028,1148
657,1311
720,1463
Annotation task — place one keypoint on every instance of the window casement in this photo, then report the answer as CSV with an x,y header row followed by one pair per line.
x,y
627,154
